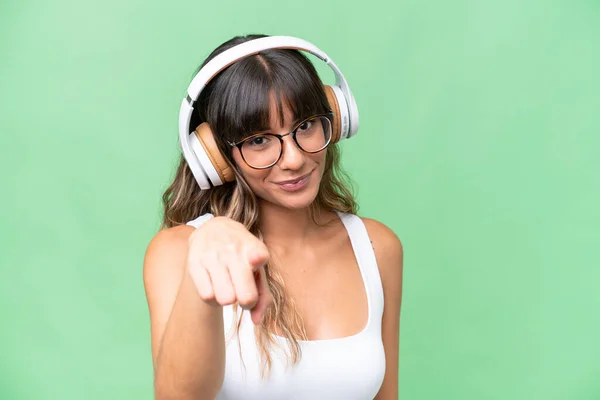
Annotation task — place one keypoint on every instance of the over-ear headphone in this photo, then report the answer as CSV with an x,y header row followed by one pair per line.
x,y
198,145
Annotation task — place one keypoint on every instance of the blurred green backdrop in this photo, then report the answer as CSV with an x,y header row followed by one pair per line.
x,y
479,146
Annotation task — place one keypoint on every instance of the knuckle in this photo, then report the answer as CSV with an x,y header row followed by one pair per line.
x,y
229,247
247,298
263,249
226,299
241,269
206,296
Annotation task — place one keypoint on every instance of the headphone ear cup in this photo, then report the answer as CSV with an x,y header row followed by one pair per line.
x,y
338,105
334,105
211,159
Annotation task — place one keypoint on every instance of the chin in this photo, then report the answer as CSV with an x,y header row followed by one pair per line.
x,y
295,205
295,201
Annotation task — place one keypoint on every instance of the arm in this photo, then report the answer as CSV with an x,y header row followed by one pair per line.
x,y
188,348
389,253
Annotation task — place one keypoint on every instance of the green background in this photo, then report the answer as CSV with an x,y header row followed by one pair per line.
x,y
478,145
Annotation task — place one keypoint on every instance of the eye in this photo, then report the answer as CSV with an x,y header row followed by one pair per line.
x,y
306,125
258,141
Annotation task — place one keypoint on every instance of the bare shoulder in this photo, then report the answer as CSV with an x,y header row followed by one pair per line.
x,y
169,239
170,243
389,252
387,245
165,256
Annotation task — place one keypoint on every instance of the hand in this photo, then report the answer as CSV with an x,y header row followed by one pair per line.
x,y
226,263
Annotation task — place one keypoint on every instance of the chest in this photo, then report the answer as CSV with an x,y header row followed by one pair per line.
x,y
327,288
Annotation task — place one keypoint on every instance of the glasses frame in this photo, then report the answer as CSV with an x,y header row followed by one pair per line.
x,y
328,116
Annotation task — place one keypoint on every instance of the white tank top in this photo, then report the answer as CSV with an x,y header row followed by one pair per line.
x,y
345,368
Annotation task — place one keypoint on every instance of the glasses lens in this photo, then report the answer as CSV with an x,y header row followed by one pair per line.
x,y
261,151
314,134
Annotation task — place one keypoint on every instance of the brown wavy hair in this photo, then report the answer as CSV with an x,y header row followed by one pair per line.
x,y
235,103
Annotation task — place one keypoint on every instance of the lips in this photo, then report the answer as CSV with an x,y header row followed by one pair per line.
x,y
296,184
292,181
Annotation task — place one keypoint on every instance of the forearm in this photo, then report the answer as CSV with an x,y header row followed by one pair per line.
x,y
191,359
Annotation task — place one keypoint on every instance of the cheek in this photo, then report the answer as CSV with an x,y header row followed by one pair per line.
x,y
252,176
321,160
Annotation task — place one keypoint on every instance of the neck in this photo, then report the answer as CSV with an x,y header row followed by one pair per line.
x,y
284,227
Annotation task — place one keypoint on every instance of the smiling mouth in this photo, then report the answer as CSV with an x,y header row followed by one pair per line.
x,y
294,185
292,181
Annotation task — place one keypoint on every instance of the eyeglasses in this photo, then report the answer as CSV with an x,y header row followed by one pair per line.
x,y
264,150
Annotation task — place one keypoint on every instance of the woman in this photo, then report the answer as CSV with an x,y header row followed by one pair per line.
x,y
269,286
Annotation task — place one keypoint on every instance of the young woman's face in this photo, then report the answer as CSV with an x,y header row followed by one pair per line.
x,y
293,182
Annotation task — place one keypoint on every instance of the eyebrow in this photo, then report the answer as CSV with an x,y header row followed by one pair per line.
x,y
268,130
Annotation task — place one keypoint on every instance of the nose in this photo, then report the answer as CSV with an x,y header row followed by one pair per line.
x,y
292,156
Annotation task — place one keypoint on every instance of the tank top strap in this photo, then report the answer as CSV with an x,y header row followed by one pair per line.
x,y
367,262
200,220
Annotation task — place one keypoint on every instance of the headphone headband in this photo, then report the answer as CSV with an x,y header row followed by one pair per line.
x,y
221,61
230,56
